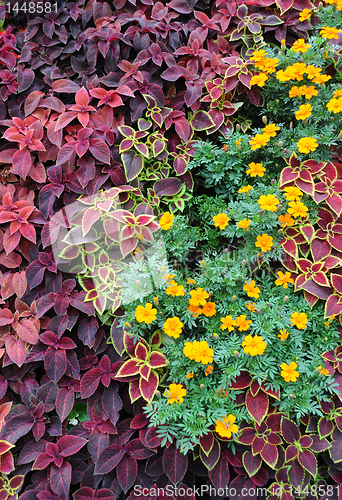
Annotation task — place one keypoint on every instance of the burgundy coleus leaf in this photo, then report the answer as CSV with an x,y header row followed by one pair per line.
x,y
289,431
211,459
251,463
257,406
175,463
104,372
87,493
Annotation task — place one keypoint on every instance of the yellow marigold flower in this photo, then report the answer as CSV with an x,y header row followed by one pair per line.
x,y
312,71
268,202
228,323
286,220
175,393
292,193
305,15
337,93
145,314
198,297
283,334
245,189
244,223
258,55
330,33
264,242
335,105
299,320
168,277
238,143
209,309
189,375
259,79
242,323
254,345
258,141
251,290
305,110
282,76
284,279
174,289
271,129
296,71
209,370
267,65
196,311
300,46
308,92
190,281
226,427
221,220
256,169
295,91
202,353
166,221
251,306
297,209
188,350
322,370
307,144
289,372
321,79
173,327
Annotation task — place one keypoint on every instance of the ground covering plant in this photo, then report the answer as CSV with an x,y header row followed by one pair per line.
x,y
171,234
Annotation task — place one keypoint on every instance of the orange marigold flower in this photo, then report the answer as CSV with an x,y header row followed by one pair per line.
x,y
258,141
221,220
284,279
289,372
312,72
228,323
173,327
174,289
256,169
330,33
209,370
198,297
259,79
196,311
202,353
300,46
245,189
299,320
251,306
321,79
226,427
244,223
166,221
268,202
308,92
283,334
292,193
255,346
251,290
305,15
304,112
209,309
286,220
175,393
189,375
242,323
335,105
271,129
307,144
264,242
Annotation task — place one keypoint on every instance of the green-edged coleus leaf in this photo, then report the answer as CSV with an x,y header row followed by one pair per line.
x,y
157,360
251,463
308,460
210,459
141,351
270,454
134,390
129,368
207,442
289,430
148,387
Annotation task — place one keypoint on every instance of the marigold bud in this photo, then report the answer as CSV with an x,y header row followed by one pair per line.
x,y
215,336
158,394
234,298
203,264
243,263
268,304
285,299
202,387
258,311
291,396
210,294
260,212
291,126
279,206
280,144
272,181
236,354
238,127
138,282
264,119
325,338
127,324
